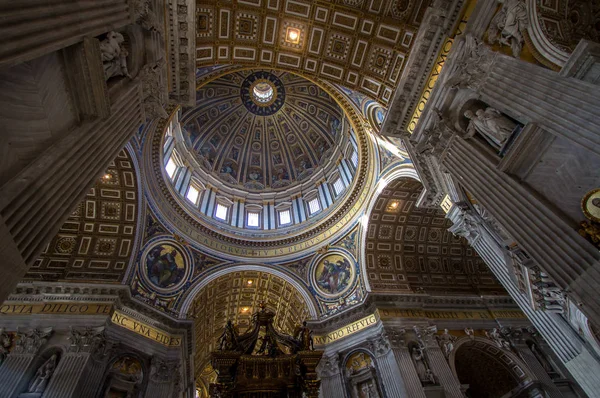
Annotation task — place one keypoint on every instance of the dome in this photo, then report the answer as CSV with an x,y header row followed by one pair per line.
x,y
262,130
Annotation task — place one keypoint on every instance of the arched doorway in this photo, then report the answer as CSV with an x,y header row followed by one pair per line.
x,y
488,371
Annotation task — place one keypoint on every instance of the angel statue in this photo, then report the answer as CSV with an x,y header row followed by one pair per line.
x,y
509,25
228,339
491,124
304,335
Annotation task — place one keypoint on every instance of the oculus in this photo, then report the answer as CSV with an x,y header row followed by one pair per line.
x,y
333,275
262,93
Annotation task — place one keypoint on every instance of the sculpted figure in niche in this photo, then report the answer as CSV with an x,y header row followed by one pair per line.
x,y
114,55
491,124
421,366
508,26
43,375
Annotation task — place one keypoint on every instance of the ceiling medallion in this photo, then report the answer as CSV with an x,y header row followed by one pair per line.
x,y
262,93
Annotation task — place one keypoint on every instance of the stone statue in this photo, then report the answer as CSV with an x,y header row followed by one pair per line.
x,y
473,61
491,124
470,332
508,26
446,342
304,336
228,339
420,361
497,338
43,375
114,55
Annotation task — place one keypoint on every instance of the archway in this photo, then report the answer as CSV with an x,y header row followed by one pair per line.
x,y
489,372
235,296
409,249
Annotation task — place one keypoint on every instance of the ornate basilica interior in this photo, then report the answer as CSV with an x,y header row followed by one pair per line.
x,y
300,198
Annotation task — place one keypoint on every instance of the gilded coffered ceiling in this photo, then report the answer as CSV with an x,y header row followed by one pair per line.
x,y
236,296
361,44
409,249
97,241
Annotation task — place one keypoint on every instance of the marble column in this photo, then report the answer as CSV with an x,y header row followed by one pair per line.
x,y
13,372
571,261
442,371
165,378
559,335
32,28
72,370
564,106
391,379
409,375
332,382
34,203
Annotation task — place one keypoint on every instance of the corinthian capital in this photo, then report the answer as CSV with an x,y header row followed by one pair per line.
x,y
86,339
30,342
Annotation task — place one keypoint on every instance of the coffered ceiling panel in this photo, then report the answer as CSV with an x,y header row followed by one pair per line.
x,y
97,240
361,44
410,249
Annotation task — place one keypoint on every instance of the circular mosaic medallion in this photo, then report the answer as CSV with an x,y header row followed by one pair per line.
x,y
590,205
333,275
262,93
165,265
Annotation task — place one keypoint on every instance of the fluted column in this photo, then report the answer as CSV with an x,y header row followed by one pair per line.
x,y
34,204
13,371
555,330
409,375
442,371
564,106
32,28
165,378
73,366
391,379
332,383
571,261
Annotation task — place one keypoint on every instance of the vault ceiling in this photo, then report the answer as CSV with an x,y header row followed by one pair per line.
x,y
233,140
410,249
236,297
97,240
361,44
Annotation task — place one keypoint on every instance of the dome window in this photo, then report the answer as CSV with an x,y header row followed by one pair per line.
x,y
314,206
221,212
171,168
193,194
285,217
253,219
338,186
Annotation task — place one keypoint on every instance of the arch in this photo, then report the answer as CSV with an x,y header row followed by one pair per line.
x,y
235,294
511,367
292,280
361,374
407,249
403,170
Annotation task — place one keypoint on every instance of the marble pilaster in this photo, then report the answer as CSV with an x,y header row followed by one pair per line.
x,y
32,28
391,379
405,365
561,337
13,371
332,383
